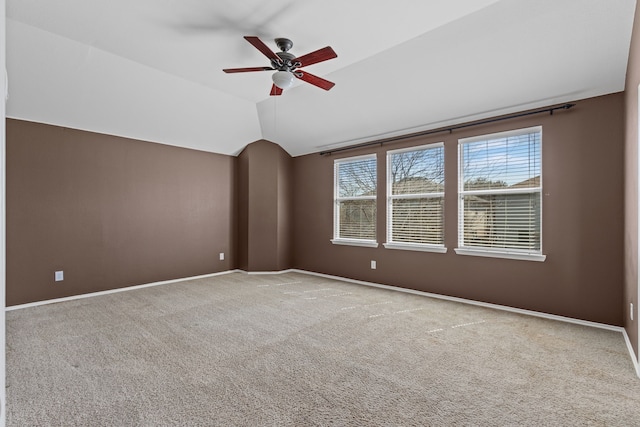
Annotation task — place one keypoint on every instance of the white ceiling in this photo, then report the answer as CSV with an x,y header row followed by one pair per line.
x,y
152,69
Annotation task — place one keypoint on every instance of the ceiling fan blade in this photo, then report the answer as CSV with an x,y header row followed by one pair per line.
x,y
314,80
317,56
244,70
275,91
258,44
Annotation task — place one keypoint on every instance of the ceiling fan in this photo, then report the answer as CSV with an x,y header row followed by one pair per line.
x,y
287,65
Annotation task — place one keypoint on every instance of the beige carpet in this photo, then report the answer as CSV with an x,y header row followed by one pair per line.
x,y
298,350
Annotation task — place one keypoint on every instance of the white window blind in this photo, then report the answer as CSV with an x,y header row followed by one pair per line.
x,y
415,195
500,186
355,190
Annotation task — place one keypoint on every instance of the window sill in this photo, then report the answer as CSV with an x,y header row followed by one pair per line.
x,y
355,242
415,247
506,255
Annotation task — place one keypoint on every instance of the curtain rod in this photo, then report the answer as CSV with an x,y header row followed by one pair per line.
x,y
450,129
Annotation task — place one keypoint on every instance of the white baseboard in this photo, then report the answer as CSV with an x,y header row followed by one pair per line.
x,y
266,272
113,291
620,329
364,283
634,358
472,302
344,279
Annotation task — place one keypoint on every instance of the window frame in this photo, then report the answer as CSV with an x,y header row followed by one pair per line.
x,y
508,253
337,240
412,246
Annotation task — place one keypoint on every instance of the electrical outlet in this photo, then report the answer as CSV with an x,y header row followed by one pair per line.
x,y
59,276
221,256
373,265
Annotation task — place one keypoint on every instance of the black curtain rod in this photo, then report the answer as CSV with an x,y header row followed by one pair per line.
x,y
450,129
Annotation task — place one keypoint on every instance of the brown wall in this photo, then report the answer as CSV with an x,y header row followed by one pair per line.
x,y
264,185
631,186
111,212
285,207
242,198
582,222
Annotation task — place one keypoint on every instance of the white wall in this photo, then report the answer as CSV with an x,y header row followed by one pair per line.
x,y
2,212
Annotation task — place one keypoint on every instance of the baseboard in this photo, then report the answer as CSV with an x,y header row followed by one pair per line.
x,y
472,302
113,291
634,358
344,279
267,272
364,283
620,329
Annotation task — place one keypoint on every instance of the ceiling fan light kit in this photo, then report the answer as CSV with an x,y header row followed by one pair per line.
x,y
287,65
283,79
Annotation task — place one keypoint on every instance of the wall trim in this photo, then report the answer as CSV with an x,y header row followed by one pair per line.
x,y
113,291
637,301
344,279
266,272
634,359
357,282
565,319
472,302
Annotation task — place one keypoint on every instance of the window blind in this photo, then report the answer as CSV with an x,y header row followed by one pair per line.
x,y
500,192
415,191
355,193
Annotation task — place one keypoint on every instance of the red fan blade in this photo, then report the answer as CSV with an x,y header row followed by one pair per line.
x,y
314,80
258,44
244,70
317,56
275,91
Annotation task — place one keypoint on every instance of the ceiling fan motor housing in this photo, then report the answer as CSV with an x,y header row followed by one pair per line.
x,y
288,62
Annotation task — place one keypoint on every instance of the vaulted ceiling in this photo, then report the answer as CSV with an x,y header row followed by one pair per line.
x,y
152,69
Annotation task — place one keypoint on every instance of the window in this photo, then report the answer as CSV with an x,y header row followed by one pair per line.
x,y
355,188
500,186
415,198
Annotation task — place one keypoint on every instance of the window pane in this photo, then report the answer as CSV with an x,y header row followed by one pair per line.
x,y
418,220
420,171
501,191
509,221
413,174
509,162
357,219
357,178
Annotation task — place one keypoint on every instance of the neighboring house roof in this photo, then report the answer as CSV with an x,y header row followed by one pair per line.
x,y
528,183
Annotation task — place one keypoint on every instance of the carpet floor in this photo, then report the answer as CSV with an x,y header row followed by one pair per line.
x,y
300,350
